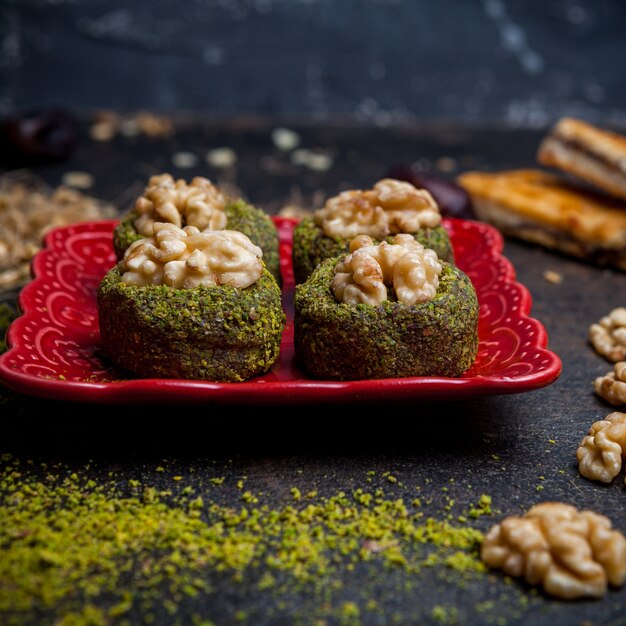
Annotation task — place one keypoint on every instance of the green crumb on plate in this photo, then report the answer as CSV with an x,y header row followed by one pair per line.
x,y
445,615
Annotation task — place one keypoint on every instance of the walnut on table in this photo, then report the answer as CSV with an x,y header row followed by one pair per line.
x,y
571,553
608,336
601,452
612,386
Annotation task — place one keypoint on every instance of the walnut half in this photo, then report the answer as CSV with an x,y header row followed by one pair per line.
x,y
571,553
612,386
600,453
389,208
363,276
185,258
608,336
199,203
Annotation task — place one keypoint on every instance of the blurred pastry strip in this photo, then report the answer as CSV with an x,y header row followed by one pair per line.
x,y
542,208
590,153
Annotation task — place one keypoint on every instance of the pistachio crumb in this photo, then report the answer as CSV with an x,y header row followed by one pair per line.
x,y
552,277
99,531
295,492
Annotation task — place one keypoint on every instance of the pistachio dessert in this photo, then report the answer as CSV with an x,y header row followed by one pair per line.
x,y
391,207
190,304
386,310
200,204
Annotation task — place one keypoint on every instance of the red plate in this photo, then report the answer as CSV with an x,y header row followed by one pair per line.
x,y
55,344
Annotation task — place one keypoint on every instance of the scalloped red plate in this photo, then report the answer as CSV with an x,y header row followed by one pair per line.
x,y
55,345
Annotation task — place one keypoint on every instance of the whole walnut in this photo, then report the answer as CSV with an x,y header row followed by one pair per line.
x,y
571,553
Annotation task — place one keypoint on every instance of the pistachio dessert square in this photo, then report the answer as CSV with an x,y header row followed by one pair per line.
x,y
190,304
386,310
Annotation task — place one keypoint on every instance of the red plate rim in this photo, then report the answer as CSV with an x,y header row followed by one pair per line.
x,y
298,391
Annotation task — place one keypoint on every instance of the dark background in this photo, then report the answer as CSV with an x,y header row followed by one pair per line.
x,y
518,62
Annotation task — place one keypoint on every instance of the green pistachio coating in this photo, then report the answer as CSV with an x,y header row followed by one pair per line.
x,y
346,342
247,219
311,246
210,333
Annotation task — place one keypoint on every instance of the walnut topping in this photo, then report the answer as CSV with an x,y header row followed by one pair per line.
x,y
359,280
600,453
390,207
608,336
572,553
199,204
364,275
187,258
612,386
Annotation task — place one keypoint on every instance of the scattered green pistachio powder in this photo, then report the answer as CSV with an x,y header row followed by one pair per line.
x,y
70,545
82,551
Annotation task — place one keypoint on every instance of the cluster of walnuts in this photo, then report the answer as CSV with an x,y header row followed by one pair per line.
x,y
573,553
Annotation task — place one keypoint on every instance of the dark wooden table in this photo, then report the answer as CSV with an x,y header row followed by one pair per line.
x,y
518,448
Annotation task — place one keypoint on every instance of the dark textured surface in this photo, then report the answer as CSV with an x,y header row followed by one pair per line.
x,y
519,448
382,61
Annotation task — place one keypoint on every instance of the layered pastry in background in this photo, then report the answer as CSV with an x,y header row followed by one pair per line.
x,y
557,212
545,209
589,153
